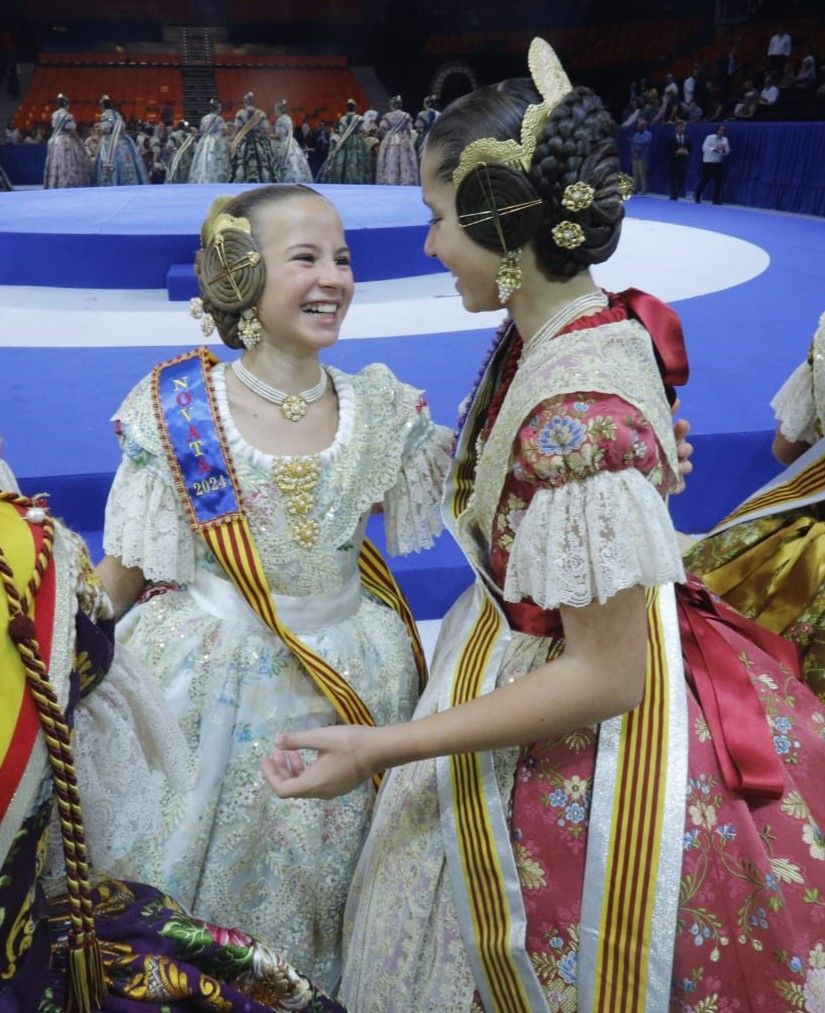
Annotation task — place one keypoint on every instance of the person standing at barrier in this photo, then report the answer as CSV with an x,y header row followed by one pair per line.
x,y
306,625
715,151
211,161
576,703
677,149
66,161
118,162
640,141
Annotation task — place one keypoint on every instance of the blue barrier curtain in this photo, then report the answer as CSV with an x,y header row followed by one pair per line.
x,y
771,165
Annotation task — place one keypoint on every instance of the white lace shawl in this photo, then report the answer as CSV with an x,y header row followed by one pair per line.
x,y
794,406
586,540
403,459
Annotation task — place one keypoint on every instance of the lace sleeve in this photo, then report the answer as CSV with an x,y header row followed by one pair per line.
x,y
412,507
586,540
144,525
794,407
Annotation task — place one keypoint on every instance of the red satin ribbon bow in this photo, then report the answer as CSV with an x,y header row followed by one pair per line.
x,y
741,734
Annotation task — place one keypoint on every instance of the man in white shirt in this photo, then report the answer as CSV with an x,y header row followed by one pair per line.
x,y
769,95
779,49
689,86
670,92
715,149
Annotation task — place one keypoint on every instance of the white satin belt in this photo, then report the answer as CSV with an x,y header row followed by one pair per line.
x,y
219,597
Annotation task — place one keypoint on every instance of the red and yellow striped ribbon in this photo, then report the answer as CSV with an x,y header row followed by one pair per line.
x,y
486,891
808,482
379,581
636,828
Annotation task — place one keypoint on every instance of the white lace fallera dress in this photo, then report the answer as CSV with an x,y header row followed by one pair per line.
x,y
231,850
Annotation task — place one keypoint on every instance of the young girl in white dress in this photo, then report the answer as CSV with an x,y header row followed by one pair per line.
x,y
310,450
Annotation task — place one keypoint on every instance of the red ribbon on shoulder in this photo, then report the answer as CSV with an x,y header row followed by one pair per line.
x,y
665,328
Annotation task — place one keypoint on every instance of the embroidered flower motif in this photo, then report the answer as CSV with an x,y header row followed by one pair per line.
x,y
703,815
576,787
227,937
691,840
782,724
815,839
795,964
568,966
530,873
814,991
782,744
581,406
574,813
727,832
557,798
561,435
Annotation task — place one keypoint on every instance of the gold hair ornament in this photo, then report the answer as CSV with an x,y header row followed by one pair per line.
x,y
249,328
197,311
213,234
625,186
578,196
552,84
568,235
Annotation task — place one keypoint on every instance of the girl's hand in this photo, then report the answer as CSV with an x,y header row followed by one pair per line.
x,y
681,428
347,756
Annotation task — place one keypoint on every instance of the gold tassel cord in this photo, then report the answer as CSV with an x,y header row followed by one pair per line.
x,y
87,985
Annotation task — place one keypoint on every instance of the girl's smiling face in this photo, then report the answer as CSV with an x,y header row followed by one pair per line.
x,y
309,283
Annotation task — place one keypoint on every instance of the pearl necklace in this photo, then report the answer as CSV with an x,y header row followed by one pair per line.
x,y
293,406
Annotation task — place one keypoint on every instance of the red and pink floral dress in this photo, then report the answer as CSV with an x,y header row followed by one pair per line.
x,y
751,922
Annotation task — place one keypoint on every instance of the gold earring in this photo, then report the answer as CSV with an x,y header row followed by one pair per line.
x,y
249,328
625,186
509,276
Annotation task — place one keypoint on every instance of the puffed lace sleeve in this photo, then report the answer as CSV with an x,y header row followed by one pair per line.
x,y
794,406
145,525
412,507
589,520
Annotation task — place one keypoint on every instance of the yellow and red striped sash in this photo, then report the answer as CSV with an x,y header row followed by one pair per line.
x,y
799,485
230,540
253,121
630,893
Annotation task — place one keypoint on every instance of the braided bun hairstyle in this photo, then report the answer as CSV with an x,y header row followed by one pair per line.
x,y
225,294
577,143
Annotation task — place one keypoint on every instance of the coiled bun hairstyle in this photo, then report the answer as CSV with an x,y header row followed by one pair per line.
x,y
578,142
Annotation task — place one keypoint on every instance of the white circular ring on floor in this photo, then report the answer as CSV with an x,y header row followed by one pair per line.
x,y
672,262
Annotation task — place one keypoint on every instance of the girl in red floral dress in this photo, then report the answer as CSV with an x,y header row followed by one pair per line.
x,y
609,796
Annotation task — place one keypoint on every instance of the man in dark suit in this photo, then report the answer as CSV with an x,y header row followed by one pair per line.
x,y
677,148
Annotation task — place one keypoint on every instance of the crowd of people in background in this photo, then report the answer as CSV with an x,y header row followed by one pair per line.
x,y
731,90
249,148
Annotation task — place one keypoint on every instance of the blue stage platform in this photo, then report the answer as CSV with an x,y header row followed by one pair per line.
x,y
146,236
743,339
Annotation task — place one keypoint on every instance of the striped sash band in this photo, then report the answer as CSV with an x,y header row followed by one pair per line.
x,y
799,485
378,580
632,871
187,418
503,987
250,124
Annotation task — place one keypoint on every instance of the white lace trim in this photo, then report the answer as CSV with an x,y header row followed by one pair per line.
x,y
794,407
587,540
125,735
8,483
144,526
412,508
